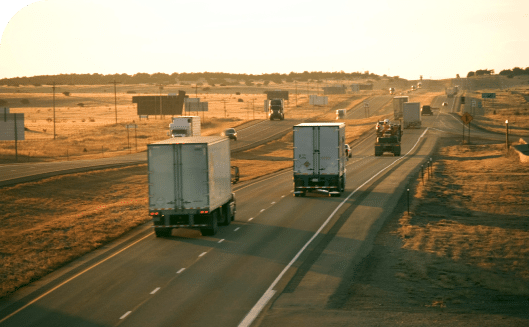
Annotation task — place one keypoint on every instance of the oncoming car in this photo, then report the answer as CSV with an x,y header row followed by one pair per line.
x,y
231,133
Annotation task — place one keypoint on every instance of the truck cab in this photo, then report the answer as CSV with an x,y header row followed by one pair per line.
x,y
276,109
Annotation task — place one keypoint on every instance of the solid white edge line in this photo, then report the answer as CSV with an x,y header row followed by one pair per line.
x,y
221,241
202,254
250,219
236,229
247,321
125,315
180,271
155,290
258,307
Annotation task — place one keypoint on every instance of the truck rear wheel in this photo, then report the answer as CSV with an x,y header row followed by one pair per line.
x,y
162,232
226,216
212,230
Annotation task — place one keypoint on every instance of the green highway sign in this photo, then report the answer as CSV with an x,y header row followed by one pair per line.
x,y
488,95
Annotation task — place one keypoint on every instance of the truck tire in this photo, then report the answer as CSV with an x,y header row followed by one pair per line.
x,y
212,230
225,214
162,232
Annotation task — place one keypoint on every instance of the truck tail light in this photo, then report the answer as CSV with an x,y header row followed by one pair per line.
x,y
155,213
204,211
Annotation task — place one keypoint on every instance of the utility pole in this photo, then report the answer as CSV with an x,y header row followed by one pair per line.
x,y
161,88
296,84
53,87
115,99
225,113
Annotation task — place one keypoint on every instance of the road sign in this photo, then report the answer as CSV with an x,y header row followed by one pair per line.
x,y
488,95
466,118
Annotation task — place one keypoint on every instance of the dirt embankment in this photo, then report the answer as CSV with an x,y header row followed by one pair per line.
x,y
461,257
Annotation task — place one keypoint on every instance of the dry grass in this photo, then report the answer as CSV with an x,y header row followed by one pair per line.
x,y
90,131
469,226
48,223
511,105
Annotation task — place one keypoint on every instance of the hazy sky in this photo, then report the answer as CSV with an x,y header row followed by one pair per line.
x,y
406,38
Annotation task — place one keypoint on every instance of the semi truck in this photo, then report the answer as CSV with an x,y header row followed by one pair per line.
x,y
190,184
319,158
391,90
411,115
397,106
185,126
389,137
276,109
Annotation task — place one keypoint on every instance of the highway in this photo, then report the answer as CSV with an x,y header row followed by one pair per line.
x,y
280,249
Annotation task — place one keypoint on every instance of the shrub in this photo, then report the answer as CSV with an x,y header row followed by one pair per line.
x,y
80,104
49,120
83,120
131,92
206,89
66,93
24,101
237,93
240,100
91,119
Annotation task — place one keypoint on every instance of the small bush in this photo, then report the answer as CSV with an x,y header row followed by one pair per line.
x,y
222,84
85,150
83,120
66,93
24,101
237,93
206,89
240,100
131,92
80,104
91,119
49,120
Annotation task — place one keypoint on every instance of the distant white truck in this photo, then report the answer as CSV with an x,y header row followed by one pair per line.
x,y
397,106
411,115
190,184
319,158
340,113
185,126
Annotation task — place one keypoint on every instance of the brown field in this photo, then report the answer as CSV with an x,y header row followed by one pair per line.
x,y
511,105
89,131
464,247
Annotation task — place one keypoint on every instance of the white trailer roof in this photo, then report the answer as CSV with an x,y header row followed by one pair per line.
x,y
320,124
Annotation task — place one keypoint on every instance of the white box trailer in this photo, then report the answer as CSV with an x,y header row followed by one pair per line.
x,y
319,158
411,115
185,126
397,106
190,184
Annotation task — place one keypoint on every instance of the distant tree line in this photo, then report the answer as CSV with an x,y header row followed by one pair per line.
x,y
516,71
180,78
507,72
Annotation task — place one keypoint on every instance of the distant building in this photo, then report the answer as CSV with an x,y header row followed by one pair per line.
x,y
334,89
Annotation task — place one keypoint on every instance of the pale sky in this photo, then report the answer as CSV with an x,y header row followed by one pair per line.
x,y
406,38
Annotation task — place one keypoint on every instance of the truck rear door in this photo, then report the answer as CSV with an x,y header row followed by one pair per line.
x,y
306,160
193,174
329,150
161,177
